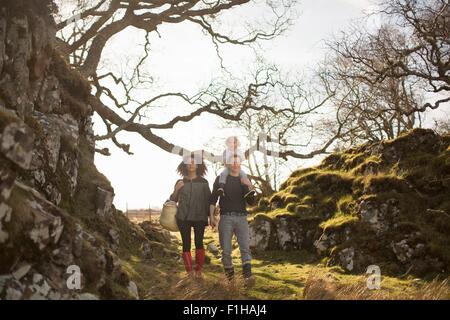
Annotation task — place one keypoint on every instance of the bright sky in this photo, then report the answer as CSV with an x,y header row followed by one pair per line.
x,y
183,59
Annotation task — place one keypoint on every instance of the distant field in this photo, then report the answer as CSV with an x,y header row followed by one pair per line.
x,y
140,216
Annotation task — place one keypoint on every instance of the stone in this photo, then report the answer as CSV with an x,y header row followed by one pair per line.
x,y
45,288
58,228
166,236
2,42
5,212
20,272
133,290
7,178
63,255
263,234
78,243
37,278
69,128
69,166
54,295
146,250
3,281
114,235
40,289
53,194
171,253
13,294
402,250
40,235
37,296
288,234
45,132
113,264
3,235
47,223
104,202
39,177
346,258
212,248
11,288
324,242
17,143
101,258
87,296
49,99
87,126
51,139
380,216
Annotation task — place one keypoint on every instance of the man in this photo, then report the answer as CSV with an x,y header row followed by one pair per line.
x,y
233,219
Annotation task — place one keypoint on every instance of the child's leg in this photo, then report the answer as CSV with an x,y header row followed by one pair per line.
x,y
223,176
245,180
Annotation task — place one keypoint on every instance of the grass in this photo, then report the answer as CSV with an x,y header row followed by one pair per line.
x,y
327,286
294,275
346,204
338,221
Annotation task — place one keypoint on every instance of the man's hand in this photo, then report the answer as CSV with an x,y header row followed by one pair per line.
x,y
212,221
212,210
212,218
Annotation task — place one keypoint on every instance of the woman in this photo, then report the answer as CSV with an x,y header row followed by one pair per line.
x,y
192,194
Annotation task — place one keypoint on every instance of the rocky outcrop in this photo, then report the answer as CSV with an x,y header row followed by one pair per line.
x,y
262,234
283,232
60,235
160,242
384,204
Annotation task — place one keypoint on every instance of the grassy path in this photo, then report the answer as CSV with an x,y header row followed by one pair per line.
x,y
279,275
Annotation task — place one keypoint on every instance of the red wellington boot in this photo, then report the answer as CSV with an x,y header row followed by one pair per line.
x,y
187,259
199,261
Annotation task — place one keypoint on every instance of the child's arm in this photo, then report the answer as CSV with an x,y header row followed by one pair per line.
x,y
224,156
242,174
245,180
246,154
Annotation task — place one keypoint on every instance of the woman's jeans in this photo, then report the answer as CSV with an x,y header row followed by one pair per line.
x,y
229,225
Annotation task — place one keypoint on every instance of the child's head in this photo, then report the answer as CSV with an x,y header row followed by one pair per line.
x,y
234,162
232,142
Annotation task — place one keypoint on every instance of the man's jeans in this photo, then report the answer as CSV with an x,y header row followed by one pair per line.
x,y
229,225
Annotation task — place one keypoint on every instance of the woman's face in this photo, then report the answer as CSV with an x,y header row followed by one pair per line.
x,y
191,167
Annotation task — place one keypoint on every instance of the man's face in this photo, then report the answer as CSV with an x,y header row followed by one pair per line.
x,y
235,165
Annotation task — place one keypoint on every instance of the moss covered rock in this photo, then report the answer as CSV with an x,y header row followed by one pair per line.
x,y
383,203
